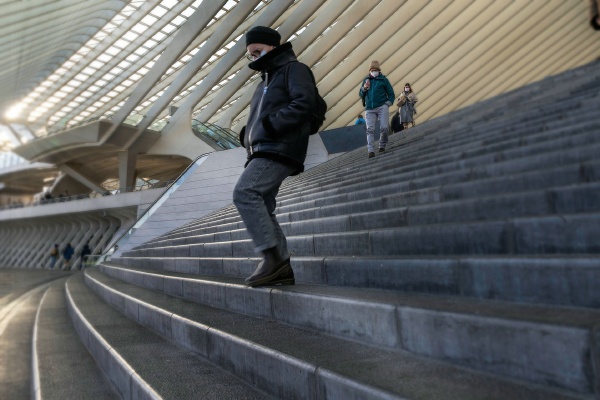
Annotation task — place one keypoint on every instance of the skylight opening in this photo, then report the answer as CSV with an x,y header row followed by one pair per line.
x,y
149,20
121,43
112,51
188,12
150,44
168,28
130,36
140,28
159,11
178,20
159,36
168,3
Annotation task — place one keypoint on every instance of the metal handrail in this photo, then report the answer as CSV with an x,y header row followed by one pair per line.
x,y
224,138
92,195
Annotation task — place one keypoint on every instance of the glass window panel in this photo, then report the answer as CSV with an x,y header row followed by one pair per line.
x,y
150,43
188,12
139,28
149,20
122,43
178,20
159,11
168,3
130,36
169,28
96,64
89,71
159,36
113,51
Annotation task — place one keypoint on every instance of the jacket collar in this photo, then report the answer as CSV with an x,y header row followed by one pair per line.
x,y
275,59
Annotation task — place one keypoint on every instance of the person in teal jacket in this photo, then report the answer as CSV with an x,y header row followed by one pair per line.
x,y
377,95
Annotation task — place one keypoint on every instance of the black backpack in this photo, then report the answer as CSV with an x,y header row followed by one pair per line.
x,y
318,116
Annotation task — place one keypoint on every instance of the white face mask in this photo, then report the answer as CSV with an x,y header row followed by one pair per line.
x,y
374,74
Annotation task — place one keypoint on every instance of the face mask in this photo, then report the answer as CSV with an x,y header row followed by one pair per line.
x,y
406,90
374,74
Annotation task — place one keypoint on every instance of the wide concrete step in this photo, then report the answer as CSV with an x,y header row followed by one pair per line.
x,y
437,189
520,235
312,364
435,150
339,180
140,363
535,155
558,280
62,366
390,211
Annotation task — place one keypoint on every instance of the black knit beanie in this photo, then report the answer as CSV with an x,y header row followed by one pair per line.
x,y
262,35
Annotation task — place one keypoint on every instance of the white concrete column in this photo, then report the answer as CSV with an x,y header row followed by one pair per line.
x,y
127,160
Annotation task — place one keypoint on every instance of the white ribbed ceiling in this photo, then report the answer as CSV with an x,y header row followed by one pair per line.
x,y
66,62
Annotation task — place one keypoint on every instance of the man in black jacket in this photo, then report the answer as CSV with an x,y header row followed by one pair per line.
x,y
276,139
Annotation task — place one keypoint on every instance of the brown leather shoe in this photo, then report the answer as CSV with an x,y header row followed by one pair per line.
x,y
371,154
267,274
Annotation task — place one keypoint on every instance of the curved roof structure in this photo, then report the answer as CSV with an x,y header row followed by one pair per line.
x,y
156,65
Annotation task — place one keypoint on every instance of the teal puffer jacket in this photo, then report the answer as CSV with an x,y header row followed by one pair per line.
x,y
380,92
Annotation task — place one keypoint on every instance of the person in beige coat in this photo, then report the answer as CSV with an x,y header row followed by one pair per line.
x,y
406,103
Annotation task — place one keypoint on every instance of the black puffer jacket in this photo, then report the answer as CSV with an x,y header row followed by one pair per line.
x,y
279,122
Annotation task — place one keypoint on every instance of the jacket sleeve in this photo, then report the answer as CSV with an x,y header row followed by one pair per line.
x,y
303,100
361,92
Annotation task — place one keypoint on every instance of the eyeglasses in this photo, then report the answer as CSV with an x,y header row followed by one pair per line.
x,y
254,55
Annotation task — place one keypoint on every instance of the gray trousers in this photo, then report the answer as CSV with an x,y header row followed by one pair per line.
x,y
254,196
383,114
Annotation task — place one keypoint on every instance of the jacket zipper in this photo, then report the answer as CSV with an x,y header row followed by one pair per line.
x,y
258,111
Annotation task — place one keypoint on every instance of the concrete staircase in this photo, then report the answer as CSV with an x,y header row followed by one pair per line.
x,y
462,263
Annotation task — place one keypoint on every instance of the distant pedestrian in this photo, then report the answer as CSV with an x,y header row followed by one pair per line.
x,y
85,252
395,124
54,253
67,255
377,96
406,103
360,120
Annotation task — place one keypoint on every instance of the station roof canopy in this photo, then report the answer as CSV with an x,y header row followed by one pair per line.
x,y
66,62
